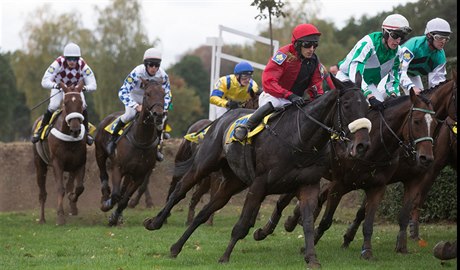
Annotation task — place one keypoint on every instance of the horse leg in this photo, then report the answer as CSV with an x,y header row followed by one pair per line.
x,y
115,196
221,198
135,200
215,180
308,202
41,169
148,198
101,158
79,176
292,221
321,200
353,228
256,194
410,194
187,182
200,189
336,192
59,177
129,188
283,202
373,196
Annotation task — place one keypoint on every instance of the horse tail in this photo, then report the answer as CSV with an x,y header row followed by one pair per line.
x,y
180,168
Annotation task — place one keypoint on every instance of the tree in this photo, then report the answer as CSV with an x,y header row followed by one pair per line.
x,y
274,8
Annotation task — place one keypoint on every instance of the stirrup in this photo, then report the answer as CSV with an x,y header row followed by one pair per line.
x,y
241,132
166,135
35,138
160,156
89,139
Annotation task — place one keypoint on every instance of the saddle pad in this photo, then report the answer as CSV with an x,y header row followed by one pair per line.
x,y
243,120
196,137
110,127
454,128
45,131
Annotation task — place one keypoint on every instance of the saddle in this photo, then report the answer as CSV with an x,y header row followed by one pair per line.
x,y
110,127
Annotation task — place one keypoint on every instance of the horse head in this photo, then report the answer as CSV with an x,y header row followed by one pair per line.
x,y
444,98
352,121
419,129
73,107
153,102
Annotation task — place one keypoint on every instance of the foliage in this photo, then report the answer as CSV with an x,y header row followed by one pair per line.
x,y
15,115
87,243
274,8
441,203
191,69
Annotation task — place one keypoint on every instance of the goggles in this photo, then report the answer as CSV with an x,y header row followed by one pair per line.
x,y
438,37
245,75
395,34
152,64
309,44
72,58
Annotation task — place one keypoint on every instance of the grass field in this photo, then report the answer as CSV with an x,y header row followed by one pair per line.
x,y
85,242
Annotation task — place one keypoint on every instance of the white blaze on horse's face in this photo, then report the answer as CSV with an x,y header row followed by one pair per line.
x,y
428,120
73,99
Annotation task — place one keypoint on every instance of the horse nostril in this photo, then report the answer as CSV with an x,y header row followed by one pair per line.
x,y
361,148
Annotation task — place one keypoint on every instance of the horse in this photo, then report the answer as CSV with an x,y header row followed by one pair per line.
x,y
184,152
135,156
289,154
65,150
403,114
418,182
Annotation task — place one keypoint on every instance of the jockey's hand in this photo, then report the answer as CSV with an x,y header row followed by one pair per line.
x,y
376,104
232,104
416,90
139,108
299,101
393,95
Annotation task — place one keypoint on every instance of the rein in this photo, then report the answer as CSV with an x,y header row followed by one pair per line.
x,y
409,148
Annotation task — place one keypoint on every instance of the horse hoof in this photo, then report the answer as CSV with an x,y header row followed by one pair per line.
x,y
290,224
366,254
60,220
132,203
174,251
445,250
259,235
313,265
223,259
151,225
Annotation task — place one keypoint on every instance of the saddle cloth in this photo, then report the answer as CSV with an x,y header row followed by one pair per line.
x,y
110,127
47,128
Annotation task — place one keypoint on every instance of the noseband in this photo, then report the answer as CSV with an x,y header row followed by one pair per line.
x,y
73,115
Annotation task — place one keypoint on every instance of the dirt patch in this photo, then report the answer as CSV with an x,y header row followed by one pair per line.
x,y
19,191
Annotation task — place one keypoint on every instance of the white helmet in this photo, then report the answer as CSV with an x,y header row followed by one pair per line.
x,y
152,53
396,22
72,49
437,25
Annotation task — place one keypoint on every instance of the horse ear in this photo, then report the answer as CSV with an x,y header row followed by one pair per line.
x,y
358,79
63,87
143,83
338,84
79,86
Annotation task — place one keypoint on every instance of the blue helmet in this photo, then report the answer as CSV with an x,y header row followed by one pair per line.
x,y
243,67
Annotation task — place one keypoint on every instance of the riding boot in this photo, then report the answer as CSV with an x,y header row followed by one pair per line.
x,y
242,130
89,138
45,121
111,143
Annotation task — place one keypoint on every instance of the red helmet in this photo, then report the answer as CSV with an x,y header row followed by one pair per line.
x,y
303,30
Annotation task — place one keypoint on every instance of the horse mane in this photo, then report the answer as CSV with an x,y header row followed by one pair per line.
x,y
432,89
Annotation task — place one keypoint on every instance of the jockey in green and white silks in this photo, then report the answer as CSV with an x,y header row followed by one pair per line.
x,y
424,55
375,56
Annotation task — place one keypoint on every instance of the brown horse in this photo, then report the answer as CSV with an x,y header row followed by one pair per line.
x,y
65,150
290,157
135,156
418,182
403,117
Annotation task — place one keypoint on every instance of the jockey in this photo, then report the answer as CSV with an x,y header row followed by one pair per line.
x,y
375,56
290,74
69,69
424,55
232,90
131,94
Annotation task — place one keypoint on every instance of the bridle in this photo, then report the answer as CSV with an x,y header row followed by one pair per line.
x,y
73,115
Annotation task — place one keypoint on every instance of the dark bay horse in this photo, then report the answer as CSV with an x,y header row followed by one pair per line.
x,y
65,150
290,157
134,159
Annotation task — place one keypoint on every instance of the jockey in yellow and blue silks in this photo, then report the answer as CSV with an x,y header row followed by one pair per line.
x,y
233,90
131,93
424,55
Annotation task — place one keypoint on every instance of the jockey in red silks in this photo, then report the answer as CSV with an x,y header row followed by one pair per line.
x,y
293,71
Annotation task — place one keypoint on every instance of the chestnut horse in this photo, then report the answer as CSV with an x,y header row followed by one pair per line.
x,y
134,158
65,150
290,157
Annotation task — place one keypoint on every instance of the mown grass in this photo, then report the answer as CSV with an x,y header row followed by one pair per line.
x,y
85,242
